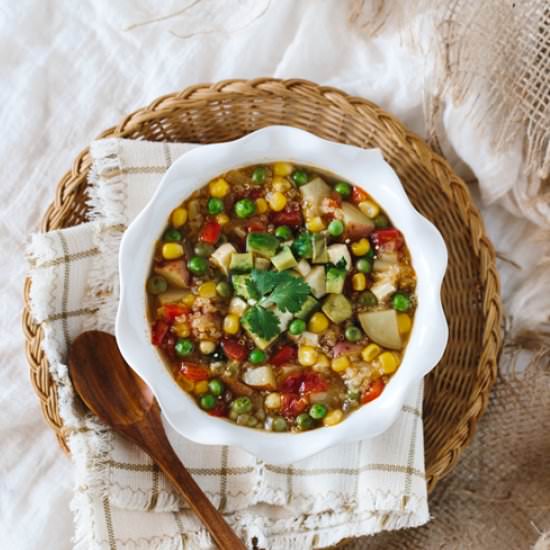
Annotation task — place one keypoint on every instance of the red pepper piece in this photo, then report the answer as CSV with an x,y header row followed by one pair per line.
x,y
219,410
313,382
170,311
388,238
234,350
291,218
210,232
292,383
358,195
194,371
373,391
286,354
256,226
292,404
159,331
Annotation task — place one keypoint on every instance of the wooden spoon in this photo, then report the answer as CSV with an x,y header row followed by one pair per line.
x,y
111,390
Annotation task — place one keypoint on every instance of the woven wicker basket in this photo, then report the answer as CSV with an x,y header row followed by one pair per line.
x,y
457,390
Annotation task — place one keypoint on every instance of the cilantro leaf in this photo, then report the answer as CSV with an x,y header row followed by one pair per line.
x,y
265,281
262,322
290,294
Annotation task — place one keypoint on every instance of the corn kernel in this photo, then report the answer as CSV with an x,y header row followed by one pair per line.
x,y
340,364
281,184
369,208
207,290
322,363
218,188
178,217
388,362
283,169
273,401
370,352
277,201
361,247
201,387
307,356
315,224
172,251
333,417
207,347
359,281
261,206
404,323
231,324
188,299
318,323
186,384
222,219
182,330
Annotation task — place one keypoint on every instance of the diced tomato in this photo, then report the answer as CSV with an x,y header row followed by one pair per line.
x,y
335,200
358,195
234,350
289,217
219,410
210,232
256,226
170,311
373,391
253,193
292,404
286,354
388,237
313,382
292,383
159,331
193,371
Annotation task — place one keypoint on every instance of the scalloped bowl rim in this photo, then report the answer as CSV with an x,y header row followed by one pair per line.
x,y
363,167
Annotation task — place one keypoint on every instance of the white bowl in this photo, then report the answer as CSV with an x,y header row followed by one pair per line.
x,y
365,168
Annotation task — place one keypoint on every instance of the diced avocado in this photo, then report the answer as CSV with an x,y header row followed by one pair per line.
x,y
338,251
317,281
221,257
175,272
284,260
241,263
264,244
240,285
313,194
337,308
335,280
262,264
284,320
310,305
303,268
382,327
320,254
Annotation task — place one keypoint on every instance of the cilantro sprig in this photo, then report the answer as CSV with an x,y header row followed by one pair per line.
x,y
262,322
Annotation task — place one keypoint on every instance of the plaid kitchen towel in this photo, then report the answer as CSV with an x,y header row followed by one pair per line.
x,y
122,500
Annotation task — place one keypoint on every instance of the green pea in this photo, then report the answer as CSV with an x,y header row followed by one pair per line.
x,y
367,298
335,228
183,347
156,285
245,208
283,232
381,221
304,422
297,327
299,177
172,235
259,174
343,189
318,411
363,265
203,249
215,206
223,288
198,265
207,402
353,334
216,387
257,356
279,424
241,405
401,301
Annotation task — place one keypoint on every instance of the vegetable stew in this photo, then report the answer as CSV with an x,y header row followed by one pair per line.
x,y
281,297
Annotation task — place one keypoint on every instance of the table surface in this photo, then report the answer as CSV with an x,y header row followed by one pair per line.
x,y
70,70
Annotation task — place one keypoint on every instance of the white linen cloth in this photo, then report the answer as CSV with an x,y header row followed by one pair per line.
x,y
71,69
349,490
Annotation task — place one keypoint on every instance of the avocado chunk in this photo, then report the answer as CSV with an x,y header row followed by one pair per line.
x,y
317,281
262,264
241,263
310,305
264,244
241,287
336,278
284,320
284,260
320,253
339,252
382,327
337,308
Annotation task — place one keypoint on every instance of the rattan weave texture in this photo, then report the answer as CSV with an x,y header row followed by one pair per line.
x,y
457,390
